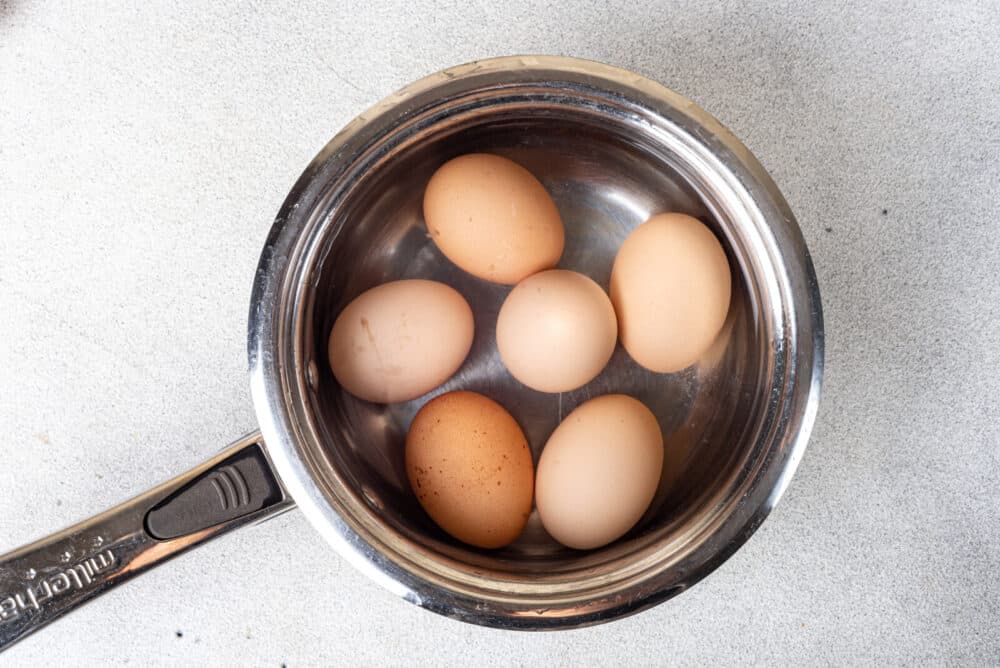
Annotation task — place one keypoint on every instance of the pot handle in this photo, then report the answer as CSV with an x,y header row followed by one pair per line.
x,y
42,581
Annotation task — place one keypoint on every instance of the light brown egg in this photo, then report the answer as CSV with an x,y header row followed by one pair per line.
x,y
599,471
400,340
493,218
556,330
470,467
670,286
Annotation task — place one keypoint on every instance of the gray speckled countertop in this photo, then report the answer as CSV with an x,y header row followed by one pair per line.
x,y
144,152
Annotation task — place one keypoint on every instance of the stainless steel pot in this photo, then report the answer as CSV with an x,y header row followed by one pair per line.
x,y
612,147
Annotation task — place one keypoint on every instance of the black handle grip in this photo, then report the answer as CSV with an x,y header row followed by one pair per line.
x,y
238,486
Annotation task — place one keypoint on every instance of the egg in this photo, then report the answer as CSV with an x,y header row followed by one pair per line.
x,y
470,467
400,340
670,286
556,330
599,471
493,218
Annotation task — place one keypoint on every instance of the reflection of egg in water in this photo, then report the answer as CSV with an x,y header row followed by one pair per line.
x,y
400,340
470,467
670,285
599,471
556,331
493,218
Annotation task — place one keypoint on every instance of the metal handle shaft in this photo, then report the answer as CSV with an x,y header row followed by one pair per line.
x,y
44,580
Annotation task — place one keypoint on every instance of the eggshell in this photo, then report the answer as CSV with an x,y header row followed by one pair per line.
x,y
556,330
599,471
400,340
493,218
470,467
670,286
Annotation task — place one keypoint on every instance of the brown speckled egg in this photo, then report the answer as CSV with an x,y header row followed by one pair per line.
x,y
470,467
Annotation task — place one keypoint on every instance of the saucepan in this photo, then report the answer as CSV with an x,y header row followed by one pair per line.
x,y
612,148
